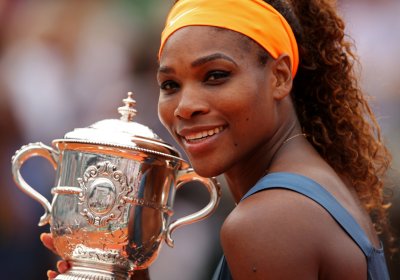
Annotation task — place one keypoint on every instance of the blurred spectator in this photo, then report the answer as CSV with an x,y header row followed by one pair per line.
x,y
19,245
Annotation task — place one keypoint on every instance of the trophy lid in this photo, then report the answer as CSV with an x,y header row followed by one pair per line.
x,y
122,133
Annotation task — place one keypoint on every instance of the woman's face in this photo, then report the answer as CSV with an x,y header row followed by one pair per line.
x,y
216,98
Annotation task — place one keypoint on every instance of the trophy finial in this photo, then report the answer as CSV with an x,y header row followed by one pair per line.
x,y
128,112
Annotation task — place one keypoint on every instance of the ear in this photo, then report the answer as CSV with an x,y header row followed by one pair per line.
x,y
282,71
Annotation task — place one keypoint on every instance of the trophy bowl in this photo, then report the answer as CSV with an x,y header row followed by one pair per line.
x,y
113,195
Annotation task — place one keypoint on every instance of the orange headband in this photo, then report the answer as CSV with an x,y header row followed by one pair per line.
x,y
252,18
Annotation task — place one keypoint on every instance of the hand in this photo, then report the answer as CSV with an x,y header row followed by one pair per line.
x,y
62,266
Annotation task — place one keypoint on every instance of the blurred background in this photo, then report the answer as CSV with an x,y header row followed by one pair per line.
x,y
67,63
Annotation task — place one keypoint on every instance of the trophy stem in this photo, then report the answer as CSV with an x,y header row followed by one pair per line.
x,y
81,271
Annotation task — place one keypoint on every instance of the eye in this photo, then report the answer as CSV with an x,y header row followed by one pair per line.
x,y
216,76
169,86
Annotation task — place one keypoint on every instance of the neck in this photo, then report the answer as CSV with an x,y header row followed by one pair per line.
x,y
245,174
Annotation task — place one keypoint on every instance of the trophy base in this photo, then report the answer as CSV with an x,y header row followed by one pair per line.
x,y
86,273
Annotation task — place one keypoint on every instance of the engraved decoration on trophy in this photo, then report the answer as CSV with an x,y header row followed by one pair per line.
x,y
113,195
104,190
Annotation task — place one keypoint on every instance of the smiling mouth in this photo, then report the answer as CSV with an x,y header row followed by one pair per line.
x,y
199,136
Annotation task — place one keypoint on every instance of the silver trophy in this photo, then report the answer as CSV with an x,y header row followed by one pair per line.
x,y
113,195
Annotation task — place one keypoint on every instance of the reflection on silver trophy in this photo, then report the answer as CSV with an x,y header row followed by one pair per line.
x,y
113,195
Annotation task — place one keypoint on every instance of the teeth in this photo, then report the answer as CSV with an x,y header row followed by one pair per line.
x,y
203,134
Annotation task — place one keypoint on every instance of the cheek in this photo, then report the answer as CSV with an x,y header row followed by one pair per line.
x,y
166,112
245,104
252,116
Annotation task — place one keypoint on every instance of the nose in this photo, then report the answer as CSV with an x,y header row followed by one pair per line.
x,y
190,105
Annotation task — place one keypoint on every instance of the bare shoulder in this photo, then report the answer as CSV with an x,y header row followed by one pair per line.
x,y
267,231
281,234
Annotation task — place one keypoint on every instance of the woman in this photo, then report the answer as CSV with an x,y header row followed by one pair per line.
x,y
264,93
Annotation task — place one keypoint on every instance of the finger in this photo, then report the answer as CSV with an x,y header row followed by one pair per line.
x,y
47,241
62,266
51,274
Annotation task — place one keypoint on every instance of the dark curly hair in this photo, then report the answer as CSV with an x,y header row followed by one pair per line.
x,y
331,107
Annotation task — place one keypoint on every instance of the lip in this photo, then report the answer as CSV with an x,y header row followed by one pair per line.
x,y
200,139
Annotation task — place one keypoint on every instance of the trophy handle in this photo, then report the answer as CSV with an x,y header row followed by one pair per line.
x,y
26,152
213,187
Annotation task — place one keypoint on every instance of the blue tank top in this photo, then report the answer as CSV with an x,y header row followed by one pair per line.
x,y
376,264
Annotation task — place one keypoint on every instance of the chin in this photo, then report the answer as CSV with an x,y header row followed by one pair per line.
x,y
206,170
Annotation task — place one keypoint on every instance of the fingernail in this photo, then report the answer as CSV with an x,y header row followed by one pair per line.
x,y
50,274
62,266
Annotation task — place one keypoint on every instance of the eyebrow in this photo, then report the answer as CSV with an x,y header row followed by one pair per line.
x,y
198,62
202,60
166,70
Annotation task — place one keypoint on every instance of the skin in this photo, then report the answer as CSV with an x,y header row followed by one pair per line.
x,y
62,266
220,85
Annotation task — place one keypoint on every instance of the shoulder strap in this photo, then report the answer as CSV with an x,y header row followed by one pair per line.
x,y
222,272
320,195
